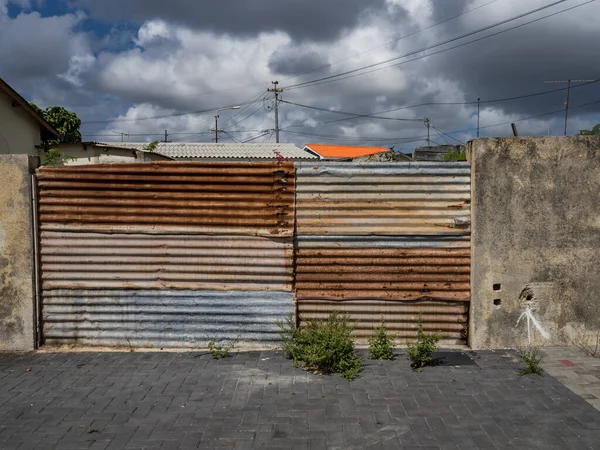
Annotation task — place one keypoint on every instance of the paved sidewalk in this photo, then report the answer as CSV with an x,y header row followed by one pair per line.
x,y
259,400
578,371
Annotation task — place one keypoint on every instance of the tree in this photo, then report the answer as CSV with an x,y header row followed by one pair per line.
x,y
593,132
66,123
456,153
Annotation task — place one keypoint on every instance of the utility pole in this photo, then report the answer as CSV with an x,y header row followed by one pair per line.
x,y
123,135
166,137
276,91
217,120
478,112
428,125
568,102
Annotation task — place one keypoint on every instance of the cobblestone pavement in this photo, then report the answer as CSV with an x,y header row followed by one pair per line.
x,y
259,400
578,371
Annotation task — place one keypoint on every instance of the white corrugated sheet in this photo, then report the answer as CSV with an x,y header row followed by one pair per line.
x,y
187,151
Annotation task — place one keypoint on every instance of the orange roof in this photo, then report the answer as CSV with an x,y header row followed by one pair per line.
x,y
344,151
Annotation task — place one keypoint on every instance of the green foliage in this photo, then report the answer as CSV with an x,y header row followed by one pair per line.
x,y
420,353
221,351
532,359
322,346
381,345
456,154
66,123
151,146
593,132
55,157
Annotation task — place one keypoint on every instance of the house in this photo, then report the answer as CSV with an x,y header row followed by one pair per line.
x,y
82,153
341,152
22,129
184,151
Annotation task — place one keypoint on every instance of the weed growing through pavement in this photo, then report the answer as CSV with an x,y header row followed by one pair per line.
x,y
420,353
224,350
532,359
381,344
322,346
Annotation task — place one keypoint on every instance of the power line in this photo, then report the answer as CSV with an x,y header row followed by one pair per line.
x,y
337,77
392,41
498,100
354,115
400,140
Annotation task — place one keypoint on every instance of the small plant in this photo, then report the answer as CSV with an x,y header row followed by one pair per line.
x,y
420,353
221,351
532,359
381,346
151,146
322,346
55,157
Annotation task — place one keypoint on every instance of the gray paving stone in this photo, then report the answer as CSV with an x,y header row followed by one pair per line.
x,y
104,401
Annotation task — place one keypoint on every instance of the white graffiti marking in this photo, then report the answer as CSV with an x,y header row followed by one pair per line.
x,y
528,313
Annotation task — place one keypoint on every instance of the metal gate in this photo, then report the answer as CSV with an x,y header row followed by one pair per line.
x,y
165,254
385,240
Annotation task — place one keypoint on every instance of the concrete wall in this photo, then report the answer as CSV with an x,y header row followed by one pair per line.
x,y
16,254
19,132
536,240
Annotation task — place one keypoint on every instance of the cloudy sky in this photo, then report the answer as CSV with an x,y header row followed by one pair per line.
x,y
142,66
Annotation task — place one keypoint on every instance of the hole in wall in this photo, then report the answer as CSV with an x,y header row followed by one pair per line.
x,y
497,287
497,302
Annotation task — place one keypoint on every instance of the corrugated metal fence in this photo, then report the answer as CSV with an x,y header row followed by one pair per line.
x,y
174,254
165,254
391,240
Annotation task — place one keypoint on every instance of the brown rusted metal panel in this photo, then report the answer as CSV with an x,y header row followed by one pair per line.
x,y
385,240
255,199
447,319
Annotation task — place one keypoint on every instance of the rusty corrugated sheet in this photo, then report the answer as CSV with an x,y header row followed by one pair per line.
x,y
446,318
166,254
162,318
340,199
169,197
389,239
136,261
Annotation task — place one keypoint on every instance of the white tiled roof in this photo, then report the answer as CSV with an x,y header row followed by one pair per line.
x,y
184,150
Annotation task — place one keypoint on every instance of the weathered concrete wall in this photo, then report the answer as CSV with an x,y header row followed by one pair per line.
x,y
536,240
16,254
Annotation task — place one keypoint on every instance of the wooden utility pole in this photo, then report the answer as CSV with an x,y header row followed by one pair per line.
x,y
276,91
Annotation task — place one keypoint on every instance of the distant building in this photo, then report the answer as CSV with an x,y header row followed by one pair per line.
x,y
83,153
22,129
190,151
342,152
433,153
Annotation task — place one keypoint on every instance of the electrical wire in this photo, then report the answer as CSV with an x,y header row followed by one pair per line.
x,y
352,73
390,42
482,102
401,140
446,134
354,115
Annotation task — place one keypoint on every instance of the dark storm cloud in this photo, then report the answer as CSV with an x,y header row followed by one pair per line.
x,y
293,61
521,62
302,19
